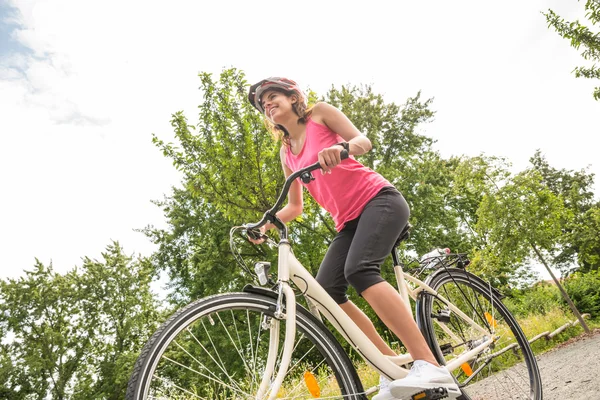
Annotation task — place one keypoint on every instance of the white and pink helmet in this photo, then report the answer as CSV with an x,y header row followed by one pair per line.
x,y
274,83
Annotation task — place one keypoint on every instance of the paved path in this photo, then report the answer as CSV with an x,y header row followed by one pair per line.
x,y
571,371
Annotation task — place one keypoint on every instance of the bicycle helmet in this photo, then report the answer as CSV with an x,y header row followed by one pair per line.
x,y
276,83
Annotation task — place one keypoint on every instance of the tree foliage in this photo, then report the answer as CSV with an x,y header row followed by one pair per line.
x,y
75,336
517,218
586,235
584,289
231,174
581,37
580,247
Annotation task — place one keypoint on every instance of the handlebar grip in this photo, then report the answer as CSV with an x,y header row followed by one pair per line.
x,y
255,234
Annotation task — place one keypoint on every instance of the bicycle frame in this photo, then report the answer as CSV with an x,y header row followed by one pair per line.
x,y
390,366
289,268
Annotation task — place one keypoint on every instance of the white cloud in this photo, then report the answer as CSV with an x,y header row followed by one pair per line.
x,y
77,165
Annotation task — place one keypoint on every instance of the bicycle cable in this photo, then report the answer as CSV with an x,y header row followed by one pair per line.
x,y
236,252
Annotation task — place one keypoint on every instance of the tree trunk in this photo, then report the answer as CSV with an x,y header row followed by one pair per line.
x,y
562,290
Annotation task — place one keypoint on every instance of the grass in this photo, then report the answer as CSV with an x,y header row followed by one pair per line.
x,y
555,318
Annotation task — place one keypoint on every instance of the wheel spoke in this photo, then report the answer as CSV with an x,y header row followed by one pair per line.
x,y
201,374
219,364
201,364
234,345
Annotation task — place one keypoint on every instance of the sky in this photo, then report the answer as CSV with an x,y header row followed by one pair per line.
x,y
84,85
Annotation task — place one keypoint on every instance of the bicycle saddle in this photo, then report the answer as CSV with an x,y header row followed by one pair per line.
x,y
404,235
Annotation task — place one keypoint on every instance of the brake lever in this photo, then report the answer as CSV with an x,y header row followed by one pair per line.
x,y
255,234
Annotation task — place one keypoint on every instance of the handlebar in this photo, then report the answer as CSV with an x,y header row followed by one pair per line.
x,y
269,216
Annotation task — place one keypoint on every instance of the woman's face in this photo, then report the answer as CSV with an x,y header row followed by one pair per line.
x,y
277,105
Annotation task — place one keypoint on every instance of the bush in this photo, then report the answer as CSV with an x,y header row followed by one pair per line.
x,y
538,300
584,290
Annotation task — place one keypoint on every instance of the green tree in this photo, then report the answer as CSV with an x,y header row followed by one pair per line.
x,y
523,219
117,289
581,37
520,218
588,245
51,339
473,180
75,335
231,175
580,248
12,385
584,289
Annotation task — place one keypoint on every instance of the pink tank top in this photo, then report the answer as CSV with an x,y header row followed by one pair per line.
x,y
346,191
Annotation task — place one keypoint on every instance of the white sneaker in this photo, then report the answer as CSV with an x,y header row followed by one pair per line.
x,y
384,390
424,375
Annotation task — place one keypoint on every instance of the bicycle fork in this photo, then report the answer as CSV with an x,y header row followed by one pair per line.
x,y
290,332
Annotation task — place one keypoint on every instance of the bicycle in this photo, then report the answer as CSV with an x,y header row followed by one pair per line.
x,y
288,352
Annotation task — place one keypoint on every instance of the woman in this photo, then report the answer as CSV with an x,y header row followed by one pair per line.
x,y
369,214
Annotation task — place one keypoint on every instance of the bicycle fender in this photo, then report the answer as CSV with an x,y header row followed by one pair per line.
x,y
260,290
471,276
272,294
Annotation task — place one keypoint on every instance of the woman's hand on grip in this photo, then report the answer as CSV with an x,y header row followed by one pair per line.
x,y
257,237
329,158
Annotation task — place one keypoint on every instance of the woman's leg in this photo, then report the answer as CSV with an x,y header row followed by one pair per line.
x,y
331,272
331,278
379,226
365,325
388,305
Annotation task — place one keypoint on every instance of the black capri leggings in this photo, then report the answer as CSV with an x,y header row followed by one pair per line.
x,y
357,252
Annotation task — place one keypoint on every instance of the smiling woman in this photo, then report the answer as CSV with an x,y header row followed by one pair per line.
x,y
368,211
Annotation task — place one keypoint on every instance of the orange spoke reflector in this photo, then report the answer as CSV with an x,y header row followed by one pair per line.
x,y
466,369
490,319
312,384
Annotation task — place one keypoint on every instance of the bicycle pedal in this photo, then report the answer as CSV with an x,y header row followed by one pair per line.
x,y
431,394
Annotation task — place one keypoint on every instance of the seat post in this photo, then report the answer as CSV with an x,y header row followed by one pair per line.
x,y
402,237
395,256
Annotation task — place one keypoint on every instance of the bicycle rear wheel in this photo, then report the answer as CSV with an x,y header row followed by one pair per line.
x,y
507,369
216,348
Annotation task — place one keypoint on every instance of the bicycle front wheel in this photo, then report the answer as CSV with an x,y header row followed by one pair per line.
x,y
217,348
505,370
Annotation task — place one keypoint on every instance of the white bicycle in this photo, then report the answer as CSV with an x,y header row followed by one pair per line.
x,y
261,344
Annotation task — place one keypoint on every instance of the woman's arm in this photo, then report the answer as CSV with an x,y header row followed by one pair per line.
x,y
295,203
335,120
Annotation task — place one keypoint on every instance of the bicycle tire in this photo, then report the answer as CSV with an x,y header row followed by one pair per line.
x,y
512,374
157,355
